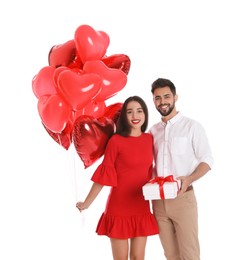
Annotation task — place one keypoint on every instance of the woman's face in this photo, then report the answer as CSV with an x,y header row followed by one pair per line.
x,y
135,115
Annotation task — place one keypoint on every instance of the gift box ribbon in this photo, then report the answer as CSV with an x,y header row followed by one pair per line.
x,y
160,181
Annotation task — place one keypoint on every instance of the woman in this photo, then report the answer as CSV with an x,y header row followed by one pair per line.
x,y
126,167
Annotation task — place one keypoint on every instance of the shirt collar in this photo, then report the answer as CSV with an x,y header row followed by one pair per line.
x,y
173,120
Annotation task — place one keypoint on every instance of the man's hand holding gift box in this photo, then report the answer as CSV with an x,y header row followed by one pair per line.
x,y
161,188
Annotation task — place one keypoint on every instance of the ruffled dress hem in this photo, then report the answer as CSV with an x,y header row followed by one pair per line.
x,y
124,227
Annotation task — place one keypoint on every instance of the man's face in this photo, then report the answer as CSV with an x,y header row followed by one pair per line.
x,y
164,100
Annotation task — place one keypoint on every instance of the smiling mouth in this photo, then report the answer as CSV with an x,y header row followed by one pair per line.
x,y
136,121
163,107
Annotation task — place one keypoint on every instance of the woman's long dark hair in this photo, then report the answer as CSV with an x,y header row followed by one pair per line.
x,y
123,127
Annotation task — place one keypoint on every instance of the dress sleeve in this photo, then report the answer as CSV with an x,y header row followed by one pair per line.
x,y
105,174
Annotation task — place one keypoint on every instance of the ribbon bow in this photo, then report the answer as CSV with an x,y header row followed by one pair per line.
x,y
161,181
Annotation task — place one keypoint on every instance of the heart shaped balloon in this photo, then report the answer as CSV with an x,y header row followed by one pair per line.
x,y
54,112
62,54
90,44
57,72
78,89
64,138
113,80
43,83
118,61
72,90
90,137
95,108
113,111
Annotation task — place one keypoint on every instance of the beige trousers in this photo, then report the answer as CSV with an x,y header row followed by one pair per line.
x,y
178,225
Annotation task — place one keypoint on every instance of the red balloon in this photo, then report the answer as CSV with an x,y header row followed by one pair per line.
x,y
64,68
118,61
54,112
90,137
113,111
76,63
62,54
76,114
64,138
90,44
43,83
78,89
95,108
56,73
113,80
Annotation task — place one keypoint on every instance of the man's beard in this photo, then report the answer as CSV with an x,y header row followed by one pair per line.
x,y
168,112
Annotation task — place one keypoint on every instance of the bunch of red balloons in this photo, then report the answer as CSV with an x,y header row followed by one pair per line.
x,y
73,88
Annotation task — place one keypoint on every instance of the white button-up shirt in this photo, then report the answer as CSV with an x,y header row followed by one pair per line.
x,y
179,146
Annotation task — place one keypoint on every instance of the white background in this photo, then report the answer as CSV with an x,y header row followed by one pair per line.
x,y
204,47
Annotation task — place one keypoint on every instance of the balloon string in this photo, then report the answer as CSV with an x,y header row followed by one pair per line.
x,y
75,181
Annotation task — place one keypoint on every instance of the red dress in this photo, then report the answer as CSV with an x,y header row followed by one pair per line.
x,y
126,166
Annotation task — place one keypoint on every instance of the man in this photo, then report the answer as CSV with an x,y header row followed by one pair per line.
x,y
181,148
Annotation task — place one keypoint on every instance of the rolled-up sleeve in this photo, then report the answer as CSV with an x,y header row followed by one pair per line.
x,y
201,146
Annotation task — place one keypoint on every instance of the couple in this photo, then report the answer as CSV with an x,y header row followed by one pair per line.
x,y
181,148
